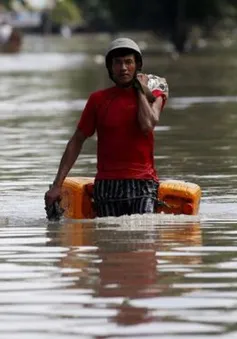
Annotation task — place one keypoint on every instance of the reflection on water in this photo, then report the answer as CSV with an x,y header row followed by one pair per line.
x,y
127,277
126,264
92,279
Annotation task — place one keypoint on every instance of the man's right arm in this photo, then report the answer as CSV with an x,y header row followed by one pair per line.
x,y
85,128
69,157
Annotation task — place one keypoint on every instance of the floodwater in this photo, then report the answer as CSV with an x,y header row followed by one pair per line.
x,y
139,277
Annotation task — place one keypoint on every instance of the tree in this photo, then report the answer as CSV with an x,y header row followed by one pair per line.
x,y
66,12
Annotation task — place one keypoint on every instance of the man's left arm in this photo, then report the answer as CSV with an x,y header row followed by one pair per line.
x,y
151,100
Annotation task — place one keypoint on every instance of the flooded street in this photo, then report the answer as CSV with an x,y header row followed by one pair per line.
x,y
149,276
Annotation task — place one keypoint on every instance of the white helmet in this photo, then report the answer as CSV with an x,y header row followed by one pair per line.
x,y
123,43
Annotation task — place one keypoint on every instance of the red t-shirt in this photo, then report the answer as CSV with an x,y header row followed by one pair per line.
x,y
123,150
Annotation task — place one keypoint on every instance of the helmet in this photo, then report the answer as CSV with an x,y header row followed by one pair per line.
x,y
123,43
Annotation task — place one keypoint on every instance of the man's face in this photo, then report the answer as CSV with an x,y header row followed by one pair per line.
x,y
123,69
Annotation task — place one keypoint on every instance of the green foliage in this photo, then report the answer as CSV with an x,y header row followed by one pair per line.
x,y
6,3
66,12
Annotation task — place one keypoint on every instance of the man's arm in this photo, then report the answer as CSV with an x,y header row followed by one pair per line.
x,y
150,106
69,157
148,114
85,128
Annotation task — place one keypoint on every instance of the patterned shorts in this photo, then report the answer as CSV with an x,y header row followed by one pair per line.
x,y
119,197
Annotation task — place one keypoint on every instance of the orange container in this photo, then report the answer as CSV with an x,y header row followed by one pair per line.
x,y
77,198
181,197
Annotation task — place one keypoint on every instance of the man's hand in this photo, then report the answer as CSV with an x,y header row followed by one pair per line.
x,y
52,195
143,78
52,203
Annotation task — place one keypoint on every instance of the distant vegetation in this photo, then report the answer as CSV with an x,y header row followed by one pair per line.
x,y
171,19
67,12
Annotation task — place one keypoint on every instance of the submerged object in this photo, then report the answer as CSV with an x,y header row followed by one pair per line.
x,y
176,197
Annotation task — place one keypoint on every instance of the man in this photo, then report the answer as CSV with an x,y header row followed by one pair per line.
x,y
124,117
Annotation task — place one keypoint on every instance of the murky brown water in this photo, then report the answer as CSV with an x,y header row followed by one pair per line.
x,y
129,277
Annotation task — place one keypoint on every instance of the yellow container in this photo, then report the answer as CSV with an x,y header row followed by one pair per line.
x,y
180,197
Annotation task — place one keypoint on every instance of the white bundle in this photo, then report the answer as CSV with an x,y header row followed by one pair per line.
x,y
157,83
